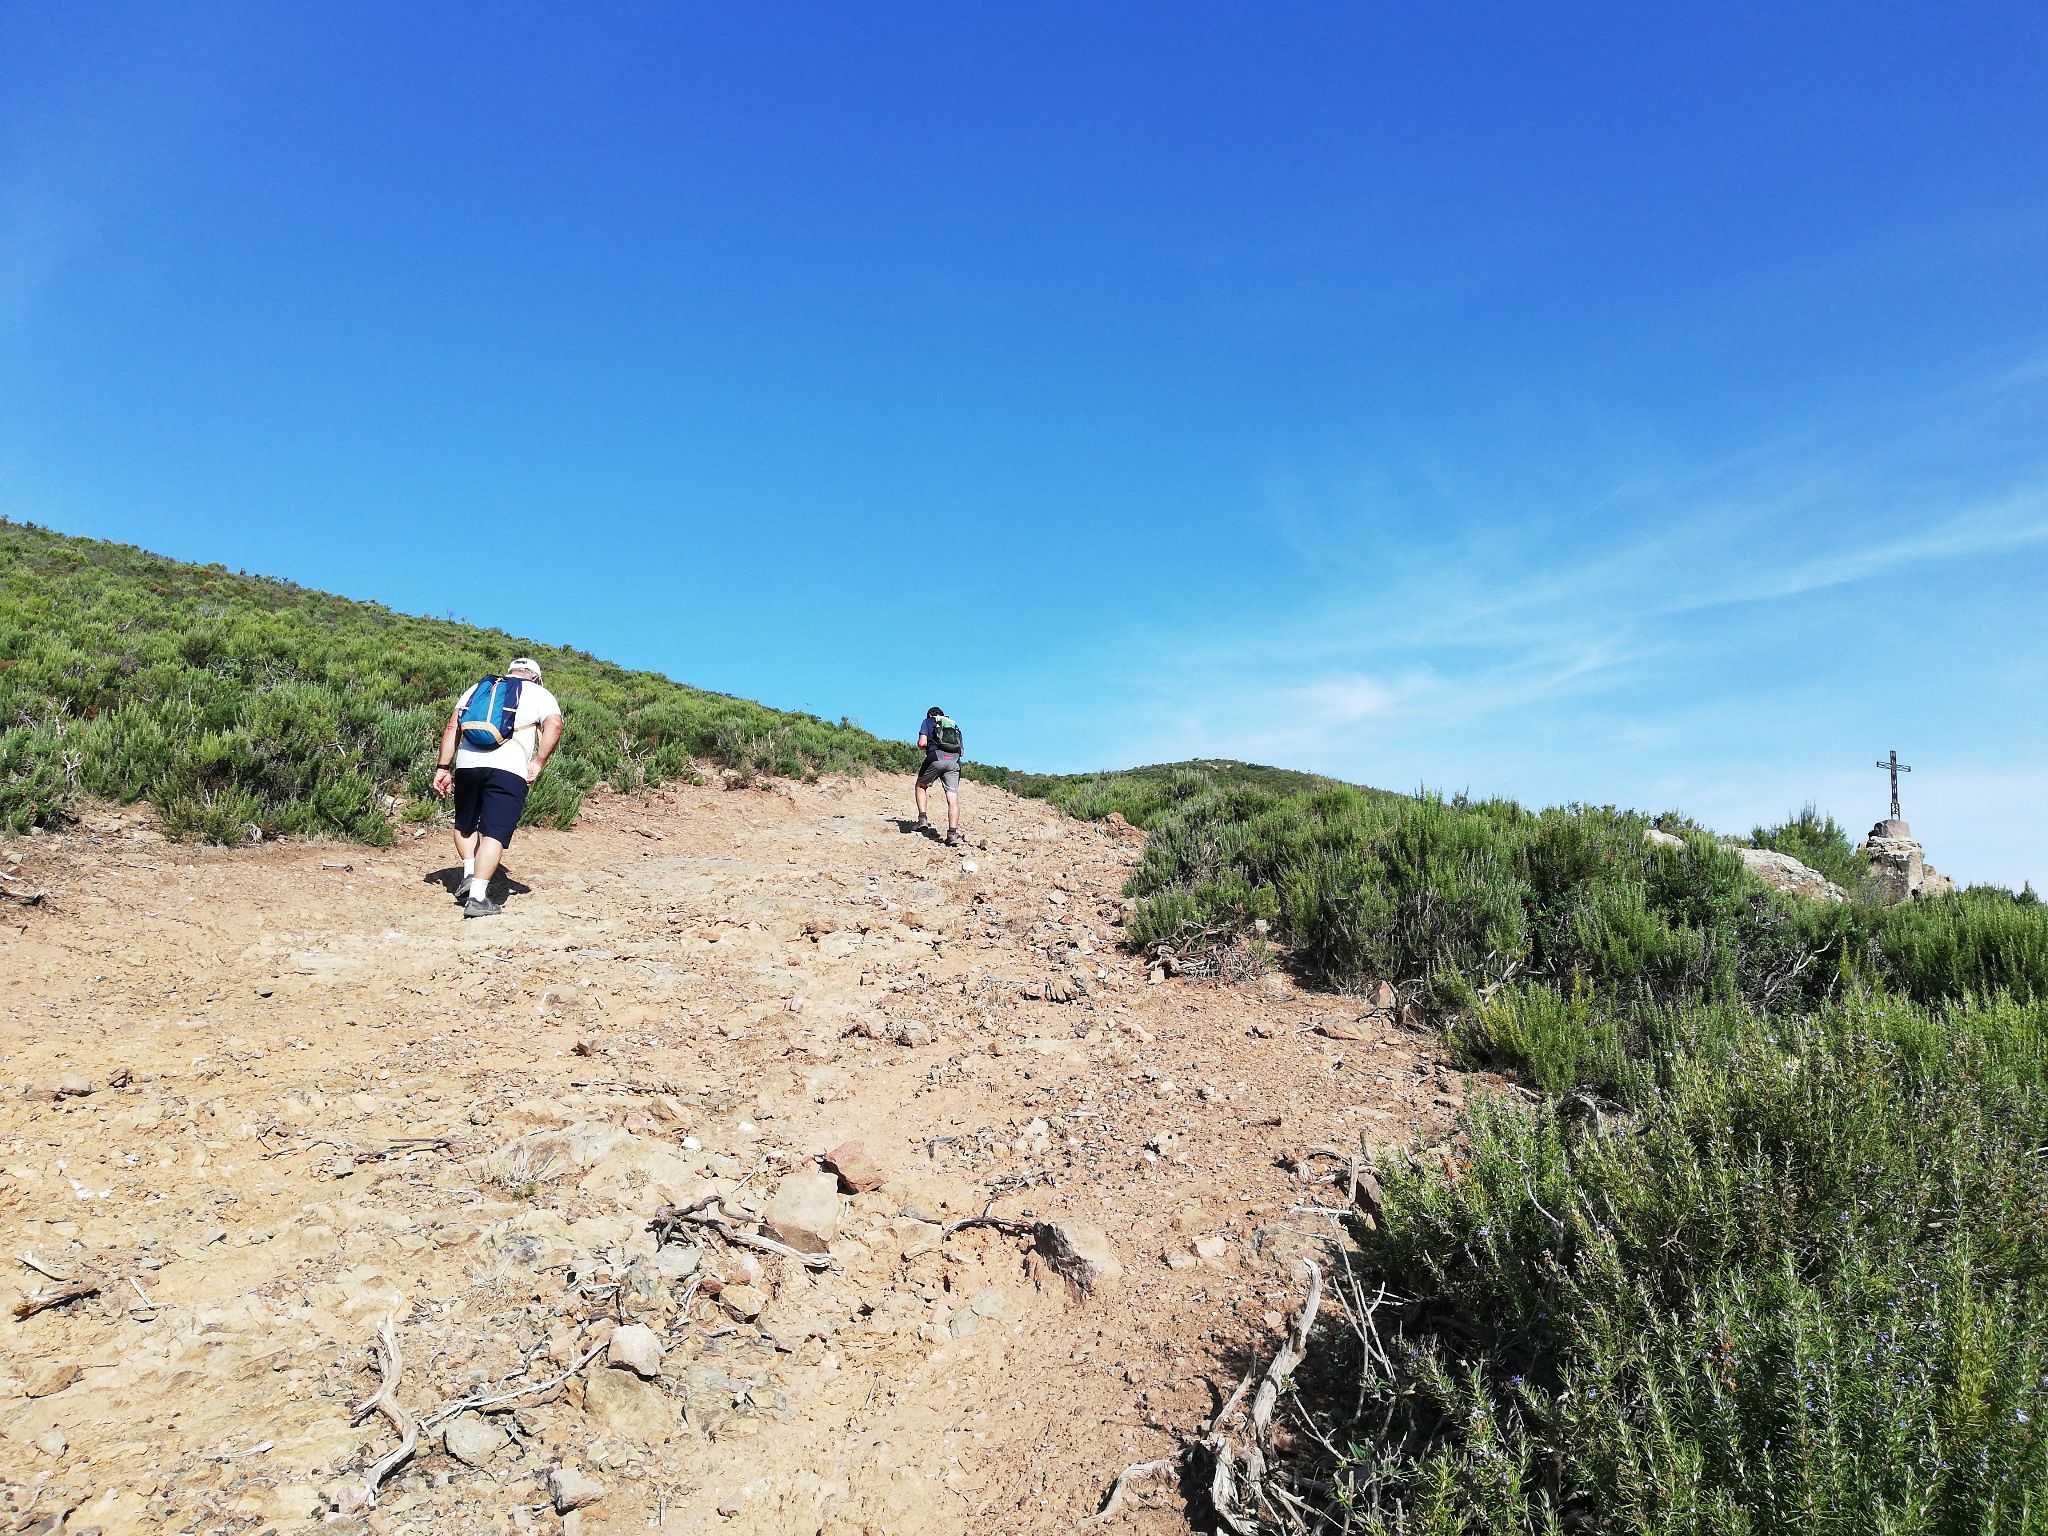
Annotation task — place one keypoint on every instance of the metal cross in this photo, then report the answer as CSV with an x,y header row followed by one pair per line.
x,y
1896,768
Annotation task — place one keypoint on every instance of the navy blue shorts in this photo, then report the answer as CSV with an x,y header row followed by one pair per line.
x,y
489,799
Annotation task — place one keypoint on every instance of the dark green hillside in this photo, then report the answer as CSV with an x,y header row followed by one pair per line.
x,y
1138,794
231,702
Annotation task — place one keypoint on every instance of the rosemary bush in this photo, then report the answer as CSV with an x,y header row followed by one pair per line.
x,y
240,706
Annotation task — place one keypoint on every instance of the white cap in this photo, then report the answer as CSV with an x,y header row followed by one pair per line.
x,y
525,665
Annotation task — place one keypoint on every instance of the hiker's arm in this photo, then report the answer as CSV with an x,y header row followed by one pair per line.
x,y
443,779
550,733
924,742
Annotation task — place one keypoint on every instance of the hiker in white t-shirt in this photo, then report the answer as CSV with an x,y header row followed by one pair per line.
x,y
490,783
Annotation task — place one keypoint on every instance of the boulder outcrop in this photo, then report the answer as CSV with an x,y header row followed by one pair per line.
x,y
1782,872
1899,867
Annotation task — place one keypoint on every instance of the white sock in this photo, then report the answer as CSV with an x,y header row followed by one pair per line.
x,y
468,867
479,888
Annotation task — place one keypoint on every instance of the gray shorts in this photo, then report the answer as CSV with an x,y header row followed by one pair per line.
x,y
942,767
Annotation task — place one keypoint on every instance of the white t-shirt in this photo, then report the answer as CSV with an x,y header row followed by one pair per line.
x,y
535,705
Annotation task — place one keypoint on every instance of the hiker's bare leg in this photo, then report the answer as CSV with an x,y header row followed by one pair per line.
x,y
952,810
465,846
922,800
488,851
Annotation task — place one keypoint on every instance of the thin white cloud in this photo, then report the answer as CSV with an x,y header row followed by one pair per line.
x,y
2013,523
1346,699
1577,651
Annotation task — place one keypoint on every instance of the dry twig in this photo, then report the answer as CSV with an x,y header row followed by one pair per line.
x,y
709,1213
398,1148
1122,1484
1223,1477
42,1301
1245,1467
41,1268
479,1404
618,1086
1002,1224
385,1401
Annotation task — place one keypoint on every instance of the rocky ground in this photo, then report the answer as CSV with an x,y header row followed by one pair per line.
x,y
269,1101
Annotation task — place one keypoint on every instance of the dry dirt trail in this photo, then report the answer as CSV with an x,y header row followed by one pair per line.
x,y
266,1099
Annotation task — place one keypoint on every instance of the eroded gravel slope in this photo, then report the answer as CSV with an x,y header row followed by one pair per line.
x,y
320,1099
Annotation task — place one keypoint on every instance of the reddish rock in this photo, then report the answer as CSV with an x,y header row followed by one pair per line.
x,y
858,1171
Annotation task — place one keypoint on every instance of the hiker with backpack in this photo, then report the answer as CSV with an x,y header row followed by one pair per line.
x,y
943,746
498,738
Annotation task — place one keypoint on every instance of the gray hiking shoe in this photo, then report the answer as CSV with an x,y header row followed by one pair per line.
x,y
484,908
953,837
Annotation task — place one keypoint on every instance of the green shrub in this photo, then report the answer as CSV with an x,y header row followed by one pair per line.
x,y
1975,942
1819,842
214,815
1556,1039
1799,1285
230,701
1767,1252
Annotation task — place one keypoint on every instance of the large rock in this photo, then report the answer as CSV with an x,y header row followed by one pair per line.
x,y
1898,866
628,1406
472,1439
678,1261
743,1301
989,1306
1782,872
804,1212
1079,1252
1657,838
858,1171
571,1489
634,1347
1373,1026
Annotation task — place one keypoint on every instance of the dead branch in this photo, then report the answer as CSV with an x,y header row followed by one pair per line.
x,y
406,1144
398,1148
1223,1479
389,1363
707,1212
42,1301
480,1404
1001,1223
41,1268
385,1401
618,1086
1124,1479
988,1218
1249,1461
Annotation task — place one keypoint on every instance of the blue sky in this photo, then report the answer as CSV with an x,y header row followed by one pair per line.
x,y
1611,402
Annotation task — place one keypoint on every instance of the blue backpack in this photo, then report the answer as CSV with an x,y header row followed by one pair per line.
x,y
488,716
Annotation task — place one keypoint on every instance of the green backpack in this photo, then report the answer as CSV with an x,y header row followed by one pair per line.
x,y
944,733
